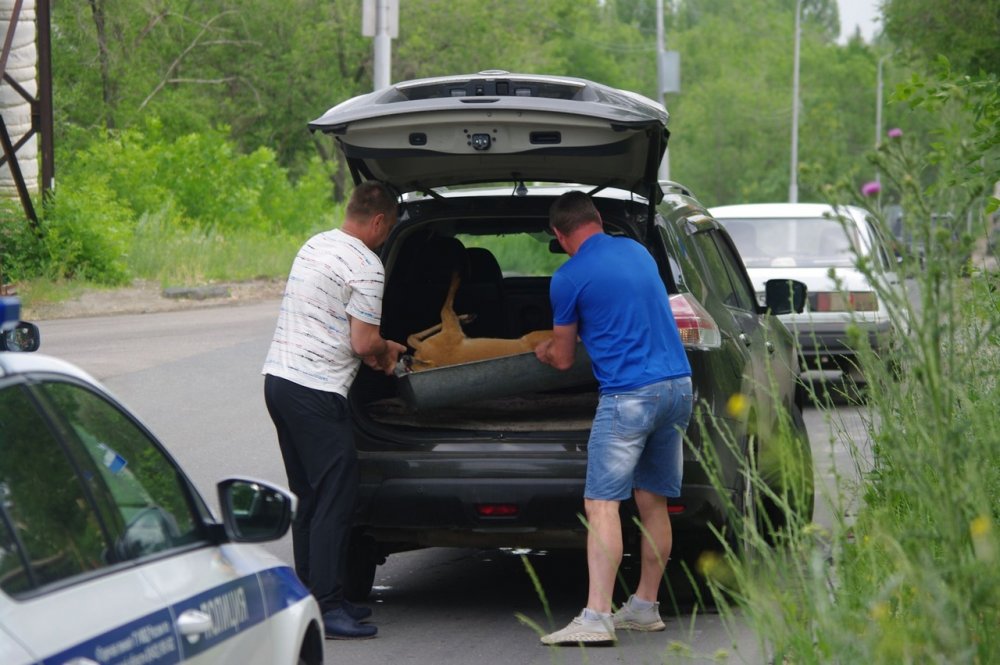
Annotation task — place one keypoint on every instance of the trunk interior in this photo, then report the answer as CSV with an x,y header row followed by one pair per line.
x,y
505,259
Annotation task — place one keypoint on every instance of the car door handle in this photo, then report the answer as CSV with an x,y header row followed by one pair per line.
x,y
743,338
193,623
81,661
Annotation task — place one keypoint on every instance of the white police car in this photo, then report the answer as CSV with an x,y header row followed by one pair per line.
x,y
107,553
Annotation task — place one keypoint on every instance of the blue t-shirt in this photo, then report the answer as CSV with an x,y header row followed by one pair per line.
x,y
612,290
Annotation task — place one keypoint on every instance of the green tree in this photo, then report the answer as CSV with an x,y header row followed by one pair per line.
x,y
732,121
966,31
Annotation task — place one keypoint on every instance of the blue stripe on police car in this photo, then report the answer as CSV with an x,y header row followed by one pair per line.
x,y
233,607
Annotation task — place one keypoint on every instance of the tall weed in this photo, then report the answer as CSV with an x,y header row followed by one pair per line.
x,y
915,575
173,255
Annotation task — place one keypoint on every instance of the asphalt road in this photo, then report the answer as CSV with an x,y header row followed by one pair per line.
x,y
194,378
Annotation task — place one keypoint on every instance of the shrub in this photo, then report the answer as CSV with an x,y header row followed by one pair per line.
x,y
21,247
86,231
197,187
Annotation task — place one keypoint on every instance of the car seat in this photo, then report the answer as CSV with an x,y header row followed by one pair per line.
x,y
418,283
481,294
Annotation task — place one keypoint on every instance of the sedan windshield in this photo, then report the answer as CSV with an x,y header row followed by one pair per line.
x,y
793,242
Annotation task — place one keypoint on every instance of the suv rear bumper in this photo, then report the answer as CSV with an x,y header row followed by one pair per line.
x,y
448,510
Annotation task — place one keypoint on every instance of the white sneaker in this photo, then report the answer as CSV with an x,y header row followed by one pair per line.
x,y
583,631
630,618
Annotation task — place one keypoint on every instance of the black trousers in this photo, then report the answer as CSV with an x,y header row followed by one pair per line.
x,y
321,462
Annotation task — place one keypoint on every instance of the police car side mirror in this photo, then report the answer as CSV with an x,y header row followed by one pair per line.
x,y
255,511
23,336
15,334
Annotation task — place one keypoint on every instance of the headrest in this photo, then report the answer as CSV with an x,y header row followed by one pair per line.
x,y
483,266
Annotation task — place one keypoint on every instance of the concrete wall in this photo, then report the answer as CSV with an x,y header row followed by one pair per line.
x,y
21,65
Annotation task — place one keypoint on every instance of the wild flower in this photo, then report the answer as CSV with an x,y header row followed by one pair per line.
x,y
980,526
738,405
895,133
871,188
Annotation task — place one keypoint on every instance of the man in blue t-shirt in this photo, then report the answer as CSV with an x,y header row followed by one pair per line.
x,y
610,294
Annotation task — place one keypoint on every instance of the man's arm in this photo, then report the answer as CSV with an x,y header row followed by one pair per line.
x,y
378,353
560,351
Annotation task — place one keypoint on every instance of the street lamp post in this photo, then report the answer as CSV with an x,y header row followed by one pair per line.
x,y
793,187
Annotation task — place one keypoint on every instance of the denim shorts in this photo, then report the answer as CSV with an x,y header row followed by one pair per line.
x,y
637,441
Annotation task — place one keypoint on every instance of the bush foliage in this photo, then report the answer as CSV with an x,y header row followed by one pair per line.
x,y
198,187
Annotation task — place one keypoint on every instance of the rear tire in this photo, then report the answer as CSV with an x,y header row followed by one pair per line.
x,y
798,485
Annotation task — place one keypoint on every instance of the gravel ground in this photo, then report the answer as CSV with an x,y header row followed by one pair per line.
x,y
144,297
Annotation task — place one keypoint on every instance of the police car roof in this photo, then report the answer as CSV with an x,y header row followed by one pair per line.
x,y
24,363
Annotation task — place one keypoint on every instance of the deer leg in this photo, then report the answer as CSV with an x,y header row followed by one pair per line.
x,y
419,337
449,320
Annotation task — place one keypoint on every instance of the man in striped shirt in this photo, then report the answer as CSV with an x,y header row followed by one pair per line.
x,y
328,324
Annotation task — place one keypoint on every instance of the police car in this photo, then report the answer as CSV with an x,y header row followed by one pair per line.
x,y
108,555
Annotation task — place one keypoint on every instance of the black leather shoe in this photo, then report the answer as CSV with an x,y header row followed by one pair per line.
x,y
356,612
338,625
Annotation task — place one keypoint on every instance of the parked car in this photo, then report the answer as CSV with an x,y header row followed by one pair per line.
x,y
820,246
491,454
107,552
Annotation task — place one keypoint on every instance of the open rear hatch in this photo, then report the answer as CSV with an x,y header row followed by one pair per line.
x,y
501,127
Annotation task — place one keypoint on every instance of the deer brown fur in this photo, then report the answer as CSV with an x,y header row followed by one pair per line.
x,y
446,344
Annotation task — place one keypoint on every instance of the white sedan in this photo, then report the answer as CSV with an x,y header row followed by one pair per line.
x,y
821,245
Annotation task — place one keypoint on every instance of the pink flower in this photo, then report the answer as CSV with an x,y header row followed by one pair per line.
x,y
894,133
871,188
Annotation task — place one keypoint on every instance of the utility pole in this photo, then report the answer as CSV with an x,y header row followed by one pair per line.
x,y
793,186
380,19
665,163
668,78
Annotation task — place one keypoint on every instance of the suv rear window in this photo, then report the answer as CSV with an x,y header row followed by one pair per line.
x,y
520,254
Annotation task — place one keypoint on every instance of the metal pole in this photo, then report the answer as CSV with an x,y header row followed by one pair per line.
x,y
383,44
45,131
793,187
660,76
878,108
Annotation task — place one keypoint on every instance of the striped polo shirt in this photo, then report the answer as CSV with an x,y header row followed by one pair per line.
x,y
334,275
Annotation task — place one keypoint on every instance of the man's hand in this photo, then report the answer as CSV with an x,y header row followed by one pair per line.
x,y
542,351
560,350
385,361
367,343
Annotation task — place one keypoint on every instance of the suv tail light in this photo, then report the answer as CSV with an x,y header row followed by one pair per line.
x,y
698,329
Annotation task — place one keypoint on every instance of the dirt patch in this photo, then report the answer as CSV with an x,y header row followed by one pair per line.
x,y
144,297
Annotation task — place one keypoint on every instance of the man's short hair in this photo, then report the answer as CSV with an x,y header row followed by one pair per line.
x,y
371,198
572,210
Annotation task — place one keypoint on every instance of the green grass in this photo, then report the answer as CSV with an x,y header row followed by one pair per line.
x,y
179,257
914,576
170,257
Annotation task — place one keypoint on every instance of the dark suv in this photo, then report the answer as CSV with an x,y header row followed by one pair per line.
x,y
493,453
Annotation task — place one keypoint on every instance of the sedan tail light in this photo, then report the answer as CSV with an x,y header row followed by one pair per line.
x,y
843,301
698,329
